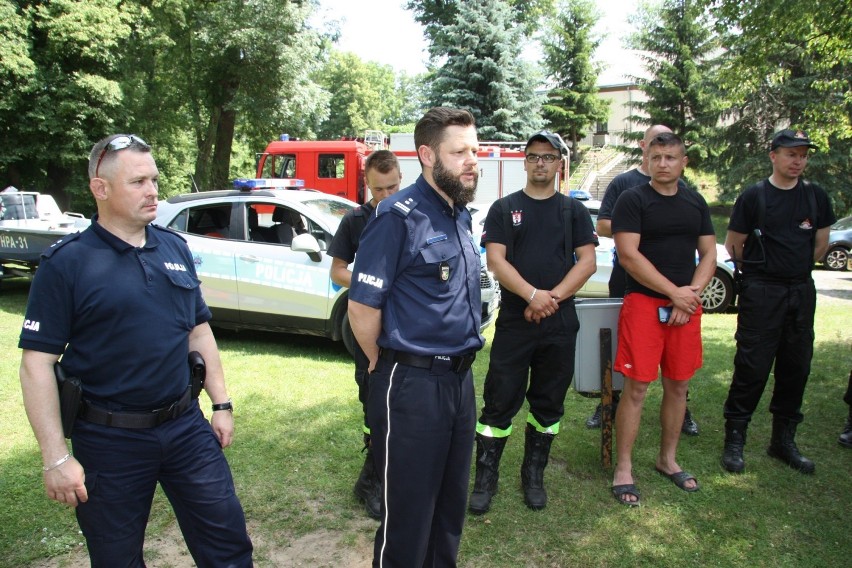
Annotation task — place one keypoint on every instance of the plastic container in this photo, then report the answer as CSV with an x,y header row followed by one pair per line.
x,y
594,314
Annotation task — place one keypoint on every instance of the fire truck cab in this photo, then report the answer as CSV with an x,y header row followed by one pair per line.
x,y
331,166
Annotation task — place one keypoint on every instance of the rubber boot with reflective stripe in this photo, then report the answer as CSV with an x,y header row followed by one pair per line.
x,y
536,454
488,454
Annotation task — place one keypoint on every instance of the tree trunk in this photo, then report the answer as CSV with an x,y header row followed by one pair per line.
x,y
205,148
220,167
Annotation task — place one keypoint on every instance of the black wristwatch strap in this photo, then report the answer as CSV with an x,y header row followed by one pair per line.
x,y
224,406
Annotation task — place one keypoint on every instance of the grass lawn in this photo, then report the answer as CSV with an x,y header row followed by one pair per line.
x,y
297,454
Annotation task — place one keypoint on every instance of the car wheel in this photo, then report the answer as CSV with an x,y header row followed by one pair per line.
x,y
347,335
718,294
836,258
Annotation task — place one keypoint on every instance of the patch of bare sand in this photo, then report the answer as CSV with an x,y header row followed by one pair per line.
x,y
322,549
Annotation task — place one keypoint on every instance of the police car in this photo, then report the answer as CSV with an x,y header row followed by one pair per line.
x,y
260,252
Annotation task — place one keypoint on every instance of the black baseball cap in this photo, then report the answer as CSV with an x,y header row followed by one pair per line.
x,y
791,139
551,138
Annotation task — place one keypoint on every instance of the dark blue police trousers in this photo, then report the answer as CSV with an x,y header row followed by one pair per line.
x,y
422,426
122,469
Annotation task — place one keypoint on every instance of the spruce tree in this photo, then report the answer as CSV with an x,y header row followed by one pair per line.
x,y
484,73
573,104
680,51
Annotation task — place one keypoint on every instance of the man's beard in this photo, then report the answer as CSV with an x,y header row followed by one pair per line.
x,y
452,184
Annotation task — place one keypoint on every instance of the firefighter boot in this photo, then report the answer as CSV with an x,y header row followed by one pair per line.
x,y
536,453
368,488
735,438
488,454
783,446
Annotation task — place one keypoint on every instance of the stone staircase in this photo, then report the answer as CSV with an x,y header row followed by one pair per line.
x,y
596,170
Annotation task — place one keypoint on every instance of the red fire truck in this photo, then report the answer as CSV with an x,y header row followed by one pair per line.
x,y
337,167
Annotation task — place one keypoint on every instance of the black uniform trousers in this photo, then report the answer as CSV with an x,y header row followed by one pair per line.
x,y
775,323
541,354
422,423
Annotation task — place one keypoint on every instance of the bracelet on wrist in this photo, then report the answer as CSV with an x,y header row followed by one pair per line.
x,y
57,463
532,295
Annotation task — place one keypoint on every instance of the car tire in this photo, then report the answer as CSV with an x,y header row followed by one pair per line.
x,y
718,294
836,258
347,335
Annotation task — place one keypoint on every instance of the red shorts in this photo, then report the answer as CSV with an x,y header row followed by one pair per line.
x,y
646,346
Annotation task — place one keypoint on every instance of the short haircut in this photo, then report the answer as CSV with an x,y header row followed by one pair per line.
x,y
429,130
98,157
383,161
667,139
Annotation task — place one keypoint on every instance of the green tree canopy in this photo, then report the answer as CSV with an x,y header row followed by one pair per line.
x,y
484,72
572,102
680,51
787,66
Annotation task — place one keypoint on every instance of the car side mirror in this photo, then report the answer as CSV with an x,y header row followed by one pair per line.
x,y
308,244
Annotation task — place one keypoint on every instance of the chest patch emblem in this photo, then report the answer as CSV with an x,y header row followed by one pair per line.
x,y
517,218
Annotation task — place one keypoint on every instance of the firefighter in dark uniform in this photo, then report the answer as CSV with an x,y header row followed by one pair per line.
x,y
121,303
382,177
778,228
415,308
532,238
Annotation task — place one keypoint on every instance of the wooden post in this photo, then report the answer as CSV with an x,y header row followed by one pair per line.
x,y
606,397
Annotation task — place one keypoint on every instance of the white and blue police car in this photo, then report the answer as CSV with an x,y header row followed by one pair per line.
x,y
260,252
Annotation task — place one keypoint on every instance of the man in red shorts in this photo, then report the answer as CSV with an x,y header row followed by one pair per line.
x,y
657,228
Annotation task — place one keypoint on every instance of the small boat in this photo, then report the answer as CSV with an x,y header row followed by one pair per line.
x,y
29,223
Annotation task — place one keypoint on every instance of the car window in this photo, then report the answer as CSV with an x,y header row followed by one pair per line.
x,y
207,220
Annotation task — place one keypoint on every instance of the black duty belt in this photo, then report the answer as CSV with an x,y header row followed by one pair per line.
x,y
135,419
454,363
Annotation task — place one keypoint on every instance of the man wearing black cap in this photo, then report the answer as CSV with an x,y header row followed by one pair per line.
x,y
778,228
531,240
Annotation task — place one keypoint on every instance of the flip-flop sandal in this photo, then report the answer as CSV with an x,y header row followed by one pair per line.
x,y
619,491
680,478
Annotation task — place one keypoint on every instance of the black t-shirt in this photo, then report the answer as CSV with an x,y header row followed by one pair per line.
x,y
619,184
788,230
344,245
669,227
538,233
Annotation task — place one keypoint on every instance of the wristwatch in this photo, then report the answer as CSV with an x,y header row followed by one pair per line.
x,y
224,406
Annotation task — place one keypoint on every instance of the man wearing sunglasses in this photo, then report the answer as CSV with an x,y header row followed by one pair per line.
x,y
121,304
531,240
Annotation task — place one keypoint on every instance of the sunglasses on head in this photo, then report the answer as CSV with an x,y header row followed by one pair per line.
x,y
119,143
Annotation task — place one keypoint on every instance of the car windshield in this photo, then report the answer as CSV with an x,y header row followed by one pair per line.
x,y
330,210
843,225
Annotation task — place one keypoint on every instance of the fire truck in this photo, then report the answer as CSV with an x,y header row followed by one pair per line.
x,y
337,166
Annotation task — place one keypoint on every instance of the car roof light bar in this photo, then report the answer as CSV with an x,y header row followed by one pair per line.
x,y
248,184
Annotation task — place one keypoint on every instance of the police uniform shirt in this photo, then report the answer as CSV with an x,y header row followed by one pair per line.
x,y
417,262
670,226
788,229
344,245
119,315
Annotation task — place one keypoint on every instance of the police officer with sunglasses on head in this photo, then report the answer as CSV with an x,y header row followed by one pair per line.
x,y
120,303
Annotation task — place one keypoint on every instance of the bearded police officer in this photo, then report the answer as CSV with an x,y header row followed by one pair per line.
x,y
415,309
121,304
